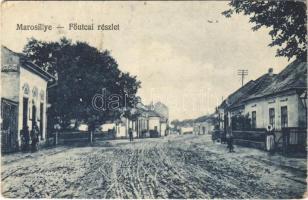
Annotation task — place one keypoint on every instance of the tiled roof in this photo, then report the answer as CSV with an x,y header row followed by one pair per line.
x,y
239,94
205,118
294,76
258,85
152,113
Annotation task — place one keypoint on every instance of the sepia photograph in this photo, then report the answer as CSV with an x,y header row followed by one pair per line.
x,y
154,99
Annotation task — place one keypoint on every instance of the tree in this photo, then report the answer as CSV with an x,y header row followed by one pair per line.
x,y
286,19
175,123
82,72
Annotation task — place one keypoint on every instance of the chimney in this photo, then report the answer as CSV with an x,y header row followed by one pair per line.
x,y
270,71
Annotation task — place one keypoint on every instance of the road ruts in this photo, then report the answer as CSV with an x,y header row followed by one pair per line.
x,y
175,167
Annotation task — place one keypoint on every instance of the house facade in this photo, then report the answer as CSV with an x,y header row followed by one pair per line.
x,y
147,123
163,112
204,125
279,100
283,102
23,98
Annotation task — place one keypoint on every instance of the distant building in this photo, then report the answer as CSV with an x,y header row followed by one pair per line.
x,y
146,123
204,125
23,98
153,122
187,130
163,112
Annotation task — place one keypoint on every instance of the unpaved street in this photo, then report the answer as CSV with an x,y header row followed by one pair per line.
x,y
172,167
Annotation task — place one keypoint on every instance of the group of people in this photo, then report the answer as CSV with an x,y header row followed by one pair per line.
x,y
30,136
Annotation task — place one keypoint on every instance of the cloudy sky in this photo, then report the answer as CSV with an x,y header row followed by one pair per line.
x,y
186,54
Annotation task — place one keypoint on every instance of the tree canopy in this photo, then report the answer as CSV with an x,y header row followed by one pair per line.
x,y
286,19
82,72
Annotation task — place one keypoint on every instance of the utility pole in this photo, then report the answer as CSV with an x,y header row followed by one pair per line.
x,y
242,73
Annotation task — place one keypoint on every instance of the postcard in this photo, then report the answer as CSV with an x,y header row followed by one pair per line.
x,y
154,99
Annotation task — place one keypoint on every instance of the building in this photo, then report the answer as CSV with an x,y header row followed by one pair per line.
x,y
205,124
163,112
278,100
145,123
23,98
282,103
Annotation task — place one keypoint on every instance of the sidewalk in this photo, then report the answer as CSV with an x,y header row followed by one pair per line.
x,y
47,151
276,159
12,157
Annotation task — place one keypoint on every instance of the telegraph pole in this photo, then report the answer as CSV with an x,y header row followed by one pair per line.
x,y
242,73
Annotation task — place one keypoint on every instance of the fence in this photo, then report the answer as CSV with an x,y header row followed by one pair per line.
x,y
255,138
288,140
9,141
294,139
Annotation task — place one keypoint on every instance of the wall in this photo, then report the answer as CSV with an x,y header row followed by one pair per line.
x,y
262,106
163,127
33,81
142,125
9,78
221,118
154,121
121,131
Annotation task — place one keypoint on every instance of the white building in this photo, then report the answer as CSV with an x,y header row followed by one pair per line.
x,y
23,98
279,100
283,102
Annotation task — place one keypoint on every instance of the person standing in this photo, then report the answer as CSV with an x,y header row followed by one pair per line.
x,y
56,128
25,139
229,138
91,129
130,133
270,139
34,137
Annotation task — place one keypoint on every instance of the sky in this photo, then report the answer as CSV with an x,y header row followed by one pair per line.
x,y
186,54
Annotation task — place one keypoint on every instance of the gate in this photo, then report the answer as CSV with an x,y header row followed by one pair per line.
x,y
9,126
294,139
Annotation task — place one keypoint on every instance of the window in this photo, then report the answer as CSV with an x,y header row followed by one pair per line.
x,y
272,117
284,116
253,119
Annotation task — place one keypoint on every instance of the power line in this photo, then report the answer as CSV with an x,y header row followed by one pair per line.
x,y
242,73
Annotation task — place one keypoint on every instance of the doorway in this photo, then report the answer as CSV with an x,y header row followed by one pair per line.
x,y
24,112
33,115
41,119
9,129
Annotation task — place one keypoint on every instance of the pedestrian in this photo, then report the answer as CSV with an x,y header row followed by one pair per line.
x,y
56,128
34,137
130,133
270,139
230,140
25,138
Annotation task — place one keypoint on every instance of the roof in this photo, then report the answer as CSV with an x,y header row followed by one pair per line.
x,y
239,94
152,113
205,118
294,76
258,85
37,70
27,64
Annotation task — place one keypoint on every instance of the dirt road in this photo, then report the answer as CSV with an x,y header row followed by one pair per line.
x,y
172,167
